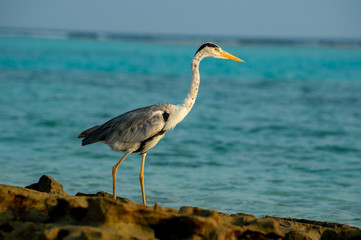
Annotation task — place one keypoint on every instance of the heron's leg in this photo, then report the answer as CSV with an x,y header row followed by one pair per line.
x,y
141,177
114,172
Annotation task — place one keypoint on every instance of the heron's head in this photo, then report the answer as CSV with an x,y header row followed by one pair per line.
x,y
213,50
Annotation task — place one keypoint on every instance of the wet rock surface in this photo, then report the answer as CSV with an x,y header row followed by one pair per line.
x,y
44,211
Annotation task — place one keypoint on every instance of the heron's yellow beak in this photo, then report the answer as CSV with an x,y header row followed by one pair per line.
x,y
230,56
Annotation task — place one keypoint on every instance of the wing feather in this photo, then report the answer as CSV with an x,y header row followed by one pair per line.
x,y
133,126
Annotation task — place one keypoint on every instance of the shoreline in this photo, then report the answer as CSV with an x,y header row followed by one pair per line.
x,y
177,38
44,210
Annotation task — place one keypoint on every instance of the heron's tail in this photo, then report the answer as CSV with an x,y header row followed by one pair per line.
x,y
88,135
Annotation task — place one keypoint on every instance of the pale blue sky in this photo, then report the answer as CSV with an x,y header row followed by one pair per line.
x,y
240,18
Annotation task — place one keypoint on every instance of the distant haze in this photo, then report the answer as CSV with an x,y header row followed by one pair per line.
x,y
239,18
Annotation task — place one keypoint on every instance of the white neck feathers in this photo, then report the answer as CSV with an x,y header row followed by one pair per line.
x,y
192,95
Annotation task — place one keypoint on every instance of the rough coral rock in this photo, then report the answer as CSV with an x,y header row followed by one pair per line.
x,y
37,214
48,185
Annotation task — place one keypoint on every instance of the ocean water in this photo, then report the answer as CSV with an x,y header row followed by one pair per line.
x,y
279,135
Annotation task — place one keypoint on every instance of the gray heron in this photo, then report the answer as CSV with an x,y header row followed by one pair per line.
x,y
141,129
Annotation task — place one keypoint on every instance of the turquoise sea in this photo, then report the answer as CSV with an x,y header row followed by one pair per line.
x,y
278,135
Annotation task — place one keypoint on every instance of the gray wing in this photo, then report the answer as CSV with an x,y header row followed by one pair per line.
x,y
134,126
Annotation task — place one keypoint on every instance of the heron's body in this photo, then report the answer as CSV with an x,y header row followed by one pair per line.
x,y
141,129
138,130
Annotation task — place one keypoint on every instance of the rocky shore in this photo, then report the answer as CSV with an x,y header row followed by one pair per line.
x,y
44,211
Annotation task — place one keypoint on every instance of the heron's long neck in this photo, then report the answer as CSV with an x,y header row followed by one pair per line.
x,y
192,95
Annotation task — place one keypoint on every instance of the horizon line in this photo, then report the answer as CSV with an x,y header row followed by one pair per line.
x,y
158,37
